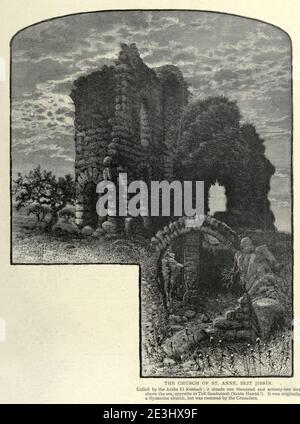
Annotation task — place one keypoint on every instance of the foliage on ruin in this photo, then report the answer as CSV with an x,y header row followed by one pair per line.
x,y
213,145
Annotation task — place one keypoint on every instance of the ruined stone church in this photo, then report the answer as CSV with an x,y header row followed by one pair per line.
x,y
127,119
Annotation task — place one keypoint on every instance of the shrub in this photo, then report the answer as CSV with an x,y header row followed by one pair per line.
x,y
43,193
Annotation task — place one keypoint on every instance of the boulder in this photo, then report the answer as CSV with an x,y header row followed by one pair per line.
x,y
69,247
169,362
87,231
109,226
183,342
270,315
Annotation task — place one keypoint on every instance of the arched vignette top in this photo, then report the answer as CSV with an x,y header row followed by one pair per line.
x,y
213,12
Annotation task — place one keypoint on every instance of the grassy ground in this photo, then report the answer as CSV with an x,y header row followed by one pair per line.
x,y
32,245
215,359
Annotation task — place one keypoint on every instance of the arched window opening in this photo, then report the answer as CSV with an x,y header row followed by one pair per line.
x,y
217,199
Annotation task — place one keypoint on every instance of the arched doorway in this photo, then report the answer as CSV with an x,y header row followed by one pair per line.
x,y
203,251
90,198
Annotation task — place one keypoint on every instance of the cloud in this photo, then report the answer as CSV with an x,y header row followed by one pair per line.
x,y
218,54
63,111
185,56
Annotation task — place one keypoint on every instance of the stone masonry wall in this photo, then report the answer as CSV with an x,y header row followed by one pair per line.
x,y
175,98
126,118
137,128
93,97
239,324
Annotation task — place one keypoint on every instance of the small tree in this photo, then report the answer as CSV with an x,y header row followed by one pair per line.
x,y
42,192
40,211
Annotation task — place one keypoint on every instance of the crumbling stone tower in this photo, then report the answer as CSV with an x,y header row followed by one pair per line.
x,y
126,119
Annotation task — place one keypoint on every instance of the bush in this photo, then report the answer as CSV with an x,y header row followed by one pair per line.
x,y
44,194
40,211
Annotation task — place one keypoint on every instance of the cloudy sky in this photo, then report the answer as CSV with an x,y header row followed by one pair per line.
x,y
218,54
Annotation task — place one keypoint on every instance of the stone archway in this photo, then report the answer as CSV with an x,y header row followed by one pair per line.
x,y
261,307
206,225
190,234
239,324
86,197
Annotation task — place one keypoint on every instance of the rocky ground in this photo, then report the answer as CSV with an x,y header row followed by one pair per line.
x,y
185,343
31,245
194,350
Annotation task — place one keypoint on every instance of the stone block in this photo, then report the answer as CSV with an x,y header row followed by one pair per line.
x,y
95,174
247,324
79,222
246,309
112,152
87,230
269,313
124,89
121,67
240,316
79,208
